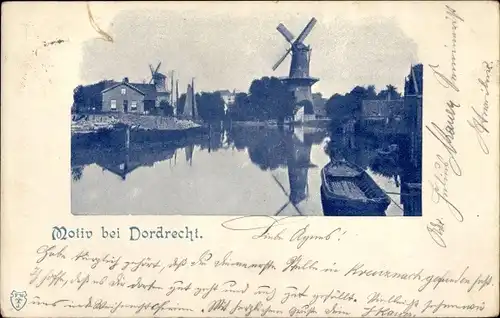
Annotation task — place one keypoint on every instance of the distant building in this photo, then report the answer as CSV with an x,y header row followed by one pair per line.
x,y
413,113
319,105
227,96
380,111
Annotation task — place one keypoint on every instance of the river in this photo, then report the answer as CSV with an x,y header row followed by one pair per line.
x,y
237,171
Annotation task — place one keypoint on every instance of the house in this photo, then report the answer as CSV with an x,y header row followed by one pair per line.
x,y
128,97
123,163
124,97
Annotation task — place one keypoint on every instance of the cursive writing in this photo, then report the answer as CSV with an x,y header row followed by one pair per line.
x,y
47,251
270,228
443,166
436,231
479,119
160,285
425,279
446,137
434,307
443,80
99,304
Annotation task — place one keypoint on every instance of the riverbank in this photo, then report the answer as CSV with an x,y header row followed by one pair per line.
x,y
316,123
89,123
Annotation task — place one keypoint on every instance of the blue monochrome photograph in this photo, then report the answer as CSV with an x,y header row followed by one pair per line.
x,y
293,115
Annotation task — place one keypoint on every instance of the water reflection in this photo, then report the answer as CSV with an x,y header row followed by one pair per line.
x,y
386,159
216,178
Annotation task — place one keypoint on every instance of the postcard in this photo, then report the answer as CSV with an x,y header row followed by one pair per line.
x,y
250,159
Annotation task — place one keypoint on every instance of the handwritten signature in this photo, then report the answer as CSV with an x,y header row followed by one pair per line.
x,y
445,134
479,119
267,229
442,166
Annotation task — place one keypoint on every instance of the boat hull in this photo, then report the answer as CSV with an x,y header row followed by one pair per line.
x,y
361,196
332,207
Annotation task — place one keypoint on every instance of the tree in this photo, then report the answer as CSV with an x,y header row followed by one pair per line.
x,y
370,92
210,106
78,98
241,109
389,91
166,108
269,98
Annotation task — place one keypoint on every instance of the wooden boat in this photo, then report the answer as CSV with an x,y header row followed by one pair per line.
x,y
347,190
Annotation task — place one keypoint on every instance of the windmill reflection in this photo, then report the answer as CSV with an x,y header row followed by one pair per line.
x,y
298,163
121,153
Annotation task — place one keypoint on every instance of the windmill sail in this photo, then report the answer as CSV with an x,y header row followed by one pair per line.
x,y
306,31
154,72
176,96
188,104
195,109
284,31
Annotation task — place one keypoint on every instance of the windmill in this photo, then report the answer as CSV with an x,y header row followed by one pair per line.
x,y
154,72
289,199
298,80
157,78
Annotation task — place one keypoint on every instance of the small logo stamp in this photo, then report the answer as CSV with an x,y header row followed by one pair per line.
x,y
18,299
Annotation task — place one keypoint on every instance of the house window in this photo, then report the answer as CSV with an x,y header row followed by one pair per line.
x,y
133,105
113,104
124,91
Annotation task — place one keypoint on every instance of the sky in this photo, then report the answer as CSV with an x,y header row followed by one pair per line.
x,y
224,51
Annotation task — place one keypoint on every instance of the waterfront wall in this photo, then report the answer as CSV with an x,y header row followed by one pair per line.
x,y
117,137
93,122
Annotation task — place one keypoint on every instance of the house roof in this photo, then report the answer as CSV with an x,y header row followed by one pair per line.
x,y
148,89
123,83
377,107
414,81
224,92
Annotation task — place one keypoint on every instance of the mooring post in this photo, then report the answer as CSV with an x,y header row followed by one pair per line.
x,y
127,137
209,137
